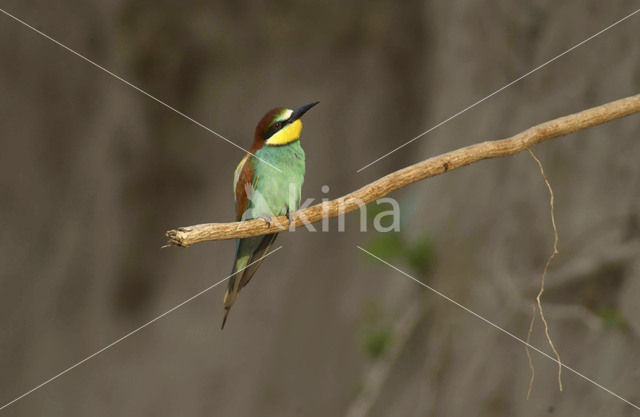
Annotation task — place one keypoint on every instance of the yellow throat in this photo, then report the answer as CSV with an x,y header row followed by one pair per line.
x,y
287,134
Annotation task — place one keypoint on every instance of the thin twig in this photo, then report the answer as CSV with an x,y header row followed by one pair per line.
x,y
546,268
533,370
187,236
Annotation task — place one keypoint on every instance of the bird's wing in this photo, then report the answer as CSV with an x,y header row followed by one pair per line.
x,y
263,248
242,180
248,250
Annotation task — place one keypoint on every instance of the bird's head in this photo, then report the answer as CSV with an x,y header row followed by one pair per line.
x,y
281,126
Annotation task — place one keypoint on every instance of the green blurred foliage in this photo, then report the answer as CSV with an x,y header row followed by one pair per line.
x,y
374,341
418,252
374,334
387,246
421,254
612,319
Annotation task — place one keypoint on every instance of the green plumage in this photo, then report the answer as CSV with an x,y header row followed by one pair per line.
x,y
276,193
266,183
273,193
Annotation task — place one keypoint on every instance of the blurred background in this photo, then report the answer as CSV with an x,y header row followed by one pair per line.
x,y
92,173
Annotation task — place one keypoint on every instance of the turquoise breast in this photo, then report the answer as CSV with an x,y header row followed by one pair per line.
x,y
277,193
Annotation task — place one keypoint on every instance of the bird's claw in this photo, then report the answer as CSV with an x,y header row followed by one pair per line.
x,y
266,219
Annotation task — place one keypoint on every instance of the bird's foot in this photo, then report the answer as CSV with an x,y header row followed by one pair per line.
x,y
266,219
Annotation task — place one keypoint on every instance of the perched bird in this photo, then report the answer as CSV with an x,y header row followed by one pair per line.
x,y
267,182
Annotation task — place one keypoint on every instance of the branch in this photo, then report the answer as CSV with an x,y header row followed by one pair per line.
x,y
187,236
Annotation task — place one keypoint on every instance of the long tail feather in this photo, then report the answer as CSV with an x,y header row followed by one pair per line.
x,y
224,319
257,248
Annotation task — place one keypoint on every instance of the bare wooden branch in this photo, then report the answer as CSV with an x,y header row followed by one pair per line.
x,y
187,236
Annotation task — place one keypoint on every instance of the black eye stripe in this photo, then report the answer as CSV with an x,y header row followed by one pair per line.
x,y
275,127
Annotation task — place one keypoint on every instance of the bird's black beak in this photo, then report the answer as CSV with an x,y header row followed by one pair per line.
x,y
302,110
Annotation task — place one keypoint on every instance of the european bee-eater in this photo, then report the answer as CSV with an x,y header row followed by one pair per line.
x,y
267,182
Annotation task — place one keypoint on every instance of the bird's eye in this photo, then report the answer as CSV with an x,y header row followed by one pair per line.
x,y
277,125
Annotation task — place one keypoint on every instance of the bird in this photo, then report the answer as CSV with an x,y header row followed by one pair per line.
x,y
267,182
